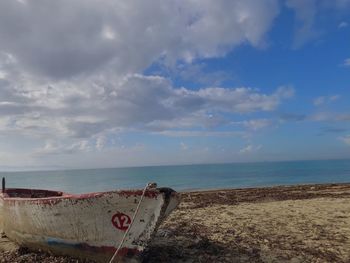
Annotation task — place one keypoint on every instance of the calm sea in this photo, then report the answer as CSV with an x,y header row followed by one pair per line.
x,y
186,177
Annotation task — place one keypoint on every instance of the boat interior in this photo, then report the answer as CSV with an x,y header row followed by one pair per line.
x,y
31,193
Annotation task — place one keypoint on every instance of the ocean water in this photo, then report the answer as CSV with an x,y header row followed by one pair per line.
x,y
185,177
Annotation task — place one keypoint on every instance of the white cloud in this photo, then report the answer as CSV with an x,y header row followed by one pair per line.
x,y
346,62
345,139
340,4
330,117
68,115
250,148
53,148
307,12
199,73
184,146
325,100
319,101
79,75
321,116
75,79
85,36
334,98
343,24
108,33
136,101
257,124
201,133
253,124
101,142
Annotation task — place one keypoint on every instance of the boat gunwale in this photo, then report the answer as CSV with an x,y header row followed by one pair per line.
x,y
153,193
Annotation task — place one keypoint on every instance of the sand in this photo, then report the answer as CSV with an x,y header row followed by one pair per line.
x,y
279,224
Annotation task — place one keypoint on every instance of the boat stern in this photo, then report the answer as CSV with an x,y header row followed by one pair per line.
x,y
171,200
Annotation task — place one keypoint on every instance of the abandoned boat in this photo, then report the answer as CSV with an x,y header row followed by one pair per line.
x,y
97,226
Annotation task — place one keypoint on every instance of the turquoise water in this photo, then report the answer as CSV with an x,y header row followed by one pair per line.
x,y
186,177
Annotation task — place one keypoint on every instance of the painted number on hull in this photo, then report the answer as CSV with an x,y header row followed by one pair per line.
x,y
121,221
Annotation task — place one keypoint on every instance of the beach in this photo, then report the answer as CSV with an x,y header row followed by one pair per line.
x,y
305,223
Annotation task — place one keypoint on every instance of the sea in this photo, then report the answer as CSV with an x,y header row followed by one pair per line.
x,y
185,177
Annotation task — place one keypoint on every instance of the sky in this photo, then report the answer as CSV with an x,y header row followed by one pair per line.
x,y
93,84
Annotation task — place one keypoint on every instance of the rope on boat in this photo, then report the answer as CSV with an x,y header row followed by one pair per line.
x,y
149,185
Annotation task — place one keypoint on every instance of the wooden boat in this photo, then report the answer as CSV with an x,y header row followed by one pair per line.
x,y
89,226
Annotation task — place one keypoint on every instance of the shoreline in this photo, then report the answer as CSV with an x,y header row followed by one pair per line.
x,y
289,223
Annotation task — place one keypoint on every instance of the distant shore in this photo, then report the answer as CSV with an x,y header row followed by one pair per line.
x,y
303,223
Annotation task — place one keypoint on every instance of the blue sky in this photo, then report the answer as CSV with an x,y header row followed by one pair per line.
x,y
172,82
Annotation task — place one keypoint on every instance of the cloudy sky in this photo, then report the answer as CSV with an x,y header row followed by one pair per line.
x,y
91,83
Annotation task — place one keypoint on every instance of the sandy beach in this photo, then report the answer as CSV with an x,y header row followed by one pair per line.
x,y
309,223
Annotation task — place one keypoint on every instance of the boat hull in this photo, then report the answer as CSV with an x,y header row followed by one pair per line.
x,y
87,226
